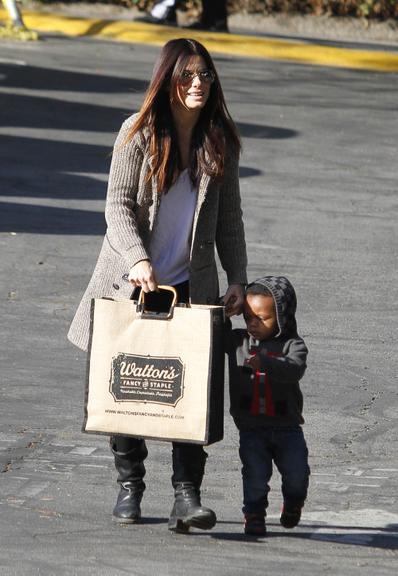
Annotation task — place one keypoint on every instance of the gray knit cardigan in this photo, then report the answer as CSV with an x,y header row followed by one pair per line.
x,y
130,213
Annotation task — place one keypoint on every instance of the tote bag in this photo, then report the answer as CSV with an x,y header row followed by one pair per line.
x,y
155,375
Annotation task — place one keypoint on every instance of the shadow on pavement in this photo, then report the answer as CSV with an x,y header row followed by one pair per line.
x,y
154,520
367,536
59,156
246,172
39,78
248,130
50,220
44,112
36,167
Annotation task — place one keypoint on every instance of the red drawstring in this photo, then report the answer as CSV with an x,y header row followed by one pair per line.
x,y
265,407
255,407
269,403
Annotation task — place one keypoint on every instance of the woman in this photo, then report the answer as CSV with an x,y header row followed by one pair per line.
x,y
173,196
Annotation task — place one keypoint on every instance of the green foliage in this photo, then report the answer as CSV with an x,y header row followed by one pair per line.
x,y
380,9
10,32
376,9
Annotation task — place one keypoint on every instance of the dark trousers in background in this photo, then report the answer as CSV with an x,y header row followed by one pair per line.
x,y
214,11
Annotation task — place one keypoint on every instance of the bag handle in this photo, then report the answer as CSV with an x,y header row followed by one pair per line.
x,y
153,314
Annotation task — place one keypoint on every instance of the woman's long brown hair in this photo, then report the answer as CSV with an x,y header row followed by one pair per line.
x,y
214,129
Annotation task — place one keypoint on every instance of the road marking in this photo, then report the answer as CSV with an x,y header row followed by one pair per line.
x,y
83,465
20,478
262,246
12,61
353,472
33,489
353,526
348,485
240,45
104,456
338,488
82,450
348,526
376,477
366,485
14,501
47,133
341,536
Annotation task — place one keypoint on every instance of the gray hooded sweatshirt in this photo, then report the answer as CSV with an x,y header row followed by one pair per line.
x,y
271,396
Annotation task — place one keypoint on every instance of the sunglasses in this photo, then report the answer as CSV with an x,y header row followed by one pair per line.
x,y
186,77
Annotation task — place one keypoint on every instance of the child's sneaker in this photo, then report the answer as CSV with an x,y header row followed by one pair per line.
x,y
290,517
255,525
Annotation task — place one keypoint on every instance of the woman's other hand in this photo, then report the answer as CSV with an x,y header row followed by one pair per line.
x,y
143,275
233,299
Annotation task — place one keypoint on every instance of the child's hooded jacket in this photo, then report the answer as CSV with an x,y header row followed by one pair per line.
x,y
272,395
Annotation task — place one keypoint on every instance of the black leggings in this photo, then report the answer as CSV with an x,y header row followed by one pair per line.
x,y
213,11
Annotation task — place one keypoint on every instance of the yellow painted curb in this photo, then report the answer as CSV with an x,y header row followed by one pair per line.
x,y
11,32
240,45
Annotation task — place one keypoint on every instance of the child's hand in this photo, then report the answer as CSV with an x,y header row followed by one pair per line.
x,y
253,362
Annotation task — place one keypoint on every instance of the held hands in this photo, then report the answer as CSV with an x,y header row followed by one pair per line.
x,y
233,300
143,275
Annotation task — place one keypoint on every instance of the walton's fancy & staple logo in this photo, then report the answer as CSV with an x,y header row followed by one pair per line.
x,y
157,379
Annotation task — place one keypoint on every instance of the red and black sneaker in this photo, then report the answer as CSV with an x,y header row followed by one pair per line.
x,y
255,525
290,516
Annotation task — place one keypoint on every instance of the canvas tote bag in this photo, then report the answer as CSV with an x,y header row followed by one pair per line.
x,y
155,375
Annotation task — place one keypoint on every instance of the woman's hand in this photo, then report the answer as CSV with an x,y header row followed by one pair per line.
x,y
233,299
143,275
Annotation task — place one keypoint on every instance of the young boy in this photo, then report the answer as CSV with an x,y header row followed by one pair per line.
x,y
266,362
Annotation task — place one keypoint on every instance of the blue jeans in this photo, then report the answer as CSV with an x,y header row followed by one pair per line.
x,y
259,448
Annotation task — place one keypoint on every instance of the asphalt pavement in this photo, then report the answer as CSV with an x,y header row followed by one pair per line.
x,y
319,189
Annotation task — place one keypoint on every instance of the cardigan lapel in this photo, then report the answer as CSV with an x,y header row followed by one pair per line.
x,y
203,187
202,192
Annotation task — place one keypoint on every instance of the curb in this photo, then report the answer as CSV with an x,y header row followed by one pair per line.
x,y
303,52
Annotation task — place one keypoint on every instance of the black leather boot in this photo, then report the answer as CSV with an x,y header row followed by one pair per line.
x,y
188,510
127,509
129,454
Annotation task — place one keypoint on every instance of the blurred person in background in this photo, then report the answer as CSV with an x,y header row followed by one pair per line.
x,y
213,16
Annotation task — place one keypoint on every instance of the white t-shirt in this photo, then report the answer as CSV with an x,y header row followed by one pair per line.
x,y
171,237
